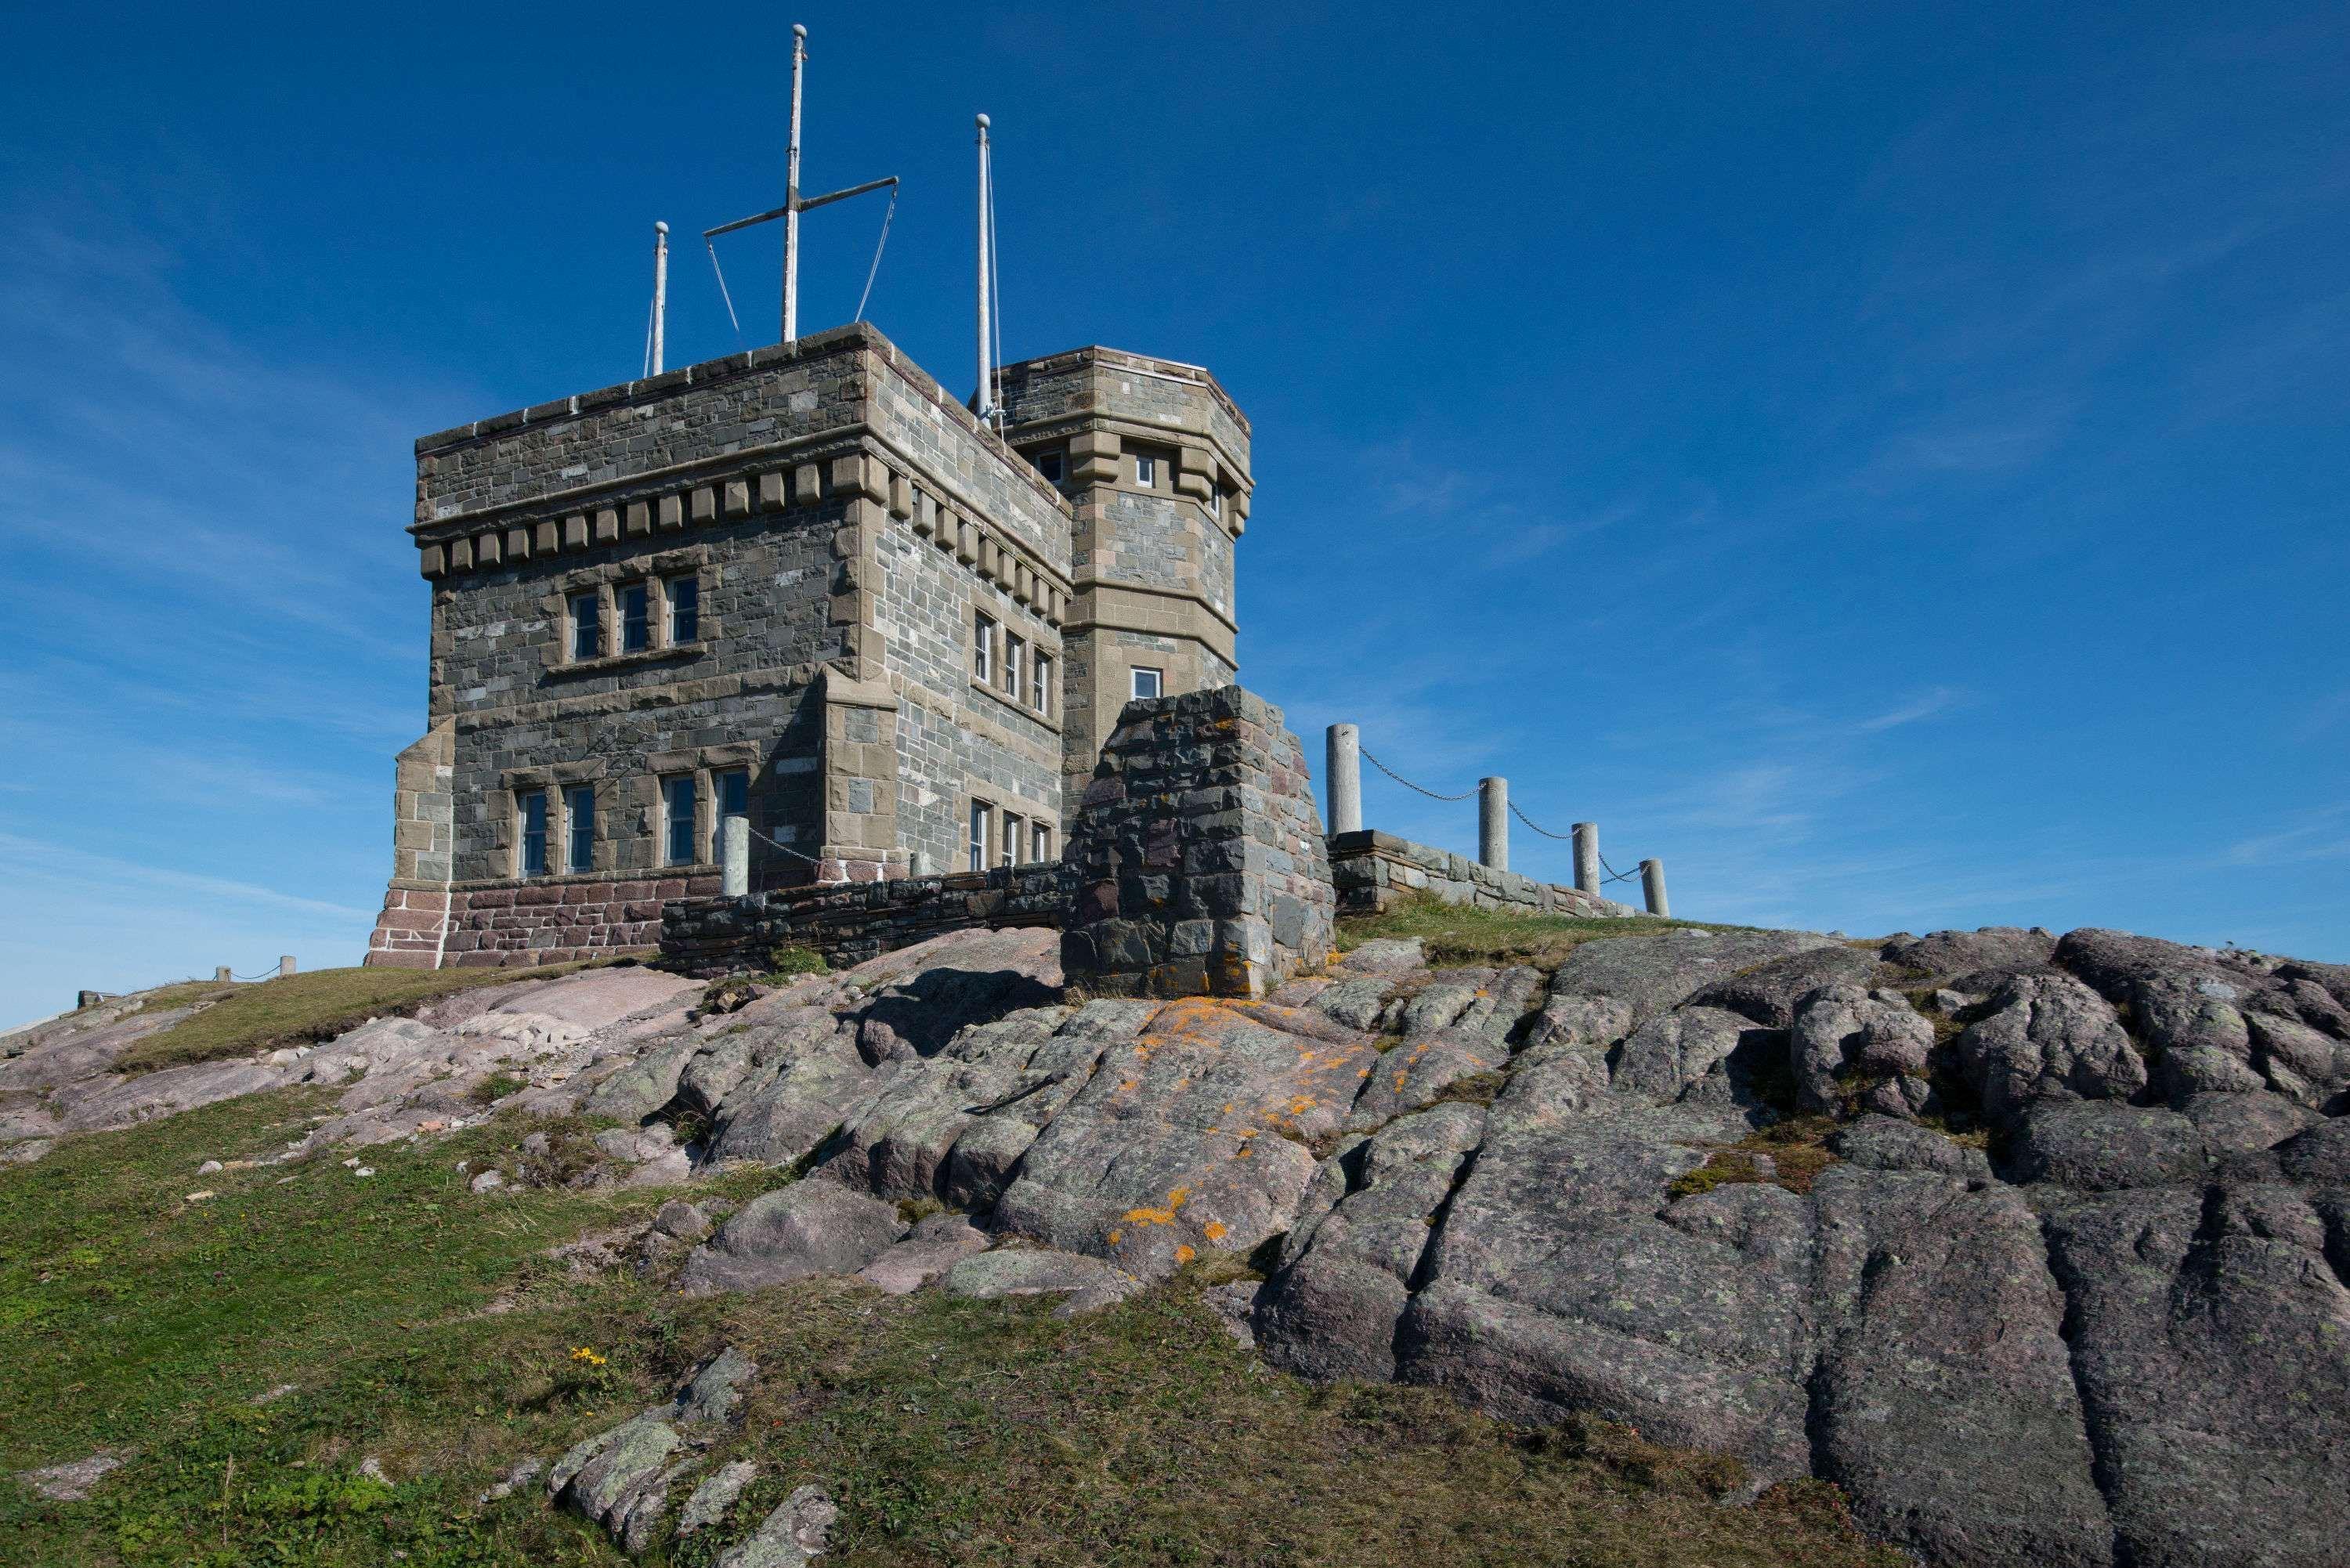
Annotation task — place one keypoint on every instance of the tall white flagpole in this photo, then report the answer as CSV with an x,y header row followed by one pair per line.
x,y
984,399
792,195
661,293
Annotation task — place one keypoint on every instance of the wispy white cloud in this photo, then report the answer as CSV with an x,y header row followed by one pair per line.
x,y
2323,834
1925,705
103,875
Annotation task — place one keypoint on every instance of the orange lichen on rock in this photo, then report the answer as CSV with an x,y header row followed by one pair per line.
x,y
1213,1231
1160,1216
1184,1254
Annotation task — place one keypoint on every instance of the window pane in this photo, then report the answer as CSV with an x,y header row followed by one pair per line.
x,y
684,609
983,647
1011,838
534,833
586,627
1040,697
636,617
981,820
1146,683
1041,844
580,811
1015,656
680,796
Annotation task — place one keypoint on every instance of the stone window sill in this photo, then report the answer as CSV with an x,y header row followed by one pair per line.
x,y
996,694
612,661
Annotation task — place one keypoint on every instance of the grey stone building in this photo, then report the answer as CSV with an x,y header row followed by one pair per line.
x,y
807,584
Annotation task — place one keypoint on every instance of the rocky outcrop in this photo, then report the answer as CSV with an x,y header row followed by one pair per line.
x,y
2037,1248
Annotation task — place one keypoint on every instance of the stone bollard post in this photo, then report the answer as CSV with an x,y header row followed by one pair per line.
x,y
1652,883
1587,858
1493,823
1344,755
735,836
286,967
223,975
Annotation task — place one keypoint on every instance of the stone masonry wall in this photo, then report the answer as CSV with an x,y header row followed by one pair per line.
x,y
1196,854
409,932
848,924
1373,870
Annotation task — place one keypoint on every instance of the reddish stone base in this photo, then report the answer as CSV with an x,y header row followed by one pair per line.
x,y
525,924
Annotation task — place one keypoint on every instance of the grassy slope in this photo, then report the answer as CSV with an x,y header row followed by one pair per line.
x,y
950,1431
300,1008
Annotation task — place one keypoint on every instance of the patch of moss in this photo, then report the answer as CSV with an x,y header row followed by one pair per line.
x,y
1797,1147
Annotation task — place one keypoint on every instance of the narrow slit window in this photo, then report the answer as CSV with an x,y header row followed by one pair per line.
x,y
983,829
732,792
586,627
1015,656
1040,685
982,649
636,617
1012,826
677,820
1039,842
531,809
684,610
1146,471
1146,682
1050,464
579,822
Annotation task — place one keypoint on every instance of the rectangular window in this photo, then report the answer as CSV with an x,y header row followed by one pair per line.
x,y
1039,842
1040,685
982,649
677,820
1012,826
1146,682
531,809
586,627
636,617
685,597
982,832
731,792
1016,658
1146,471
579,823
1049,465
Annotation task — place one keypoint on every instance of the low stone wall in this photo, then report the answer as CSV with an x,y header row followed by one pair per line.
x,y
1373,870
850,922
554,921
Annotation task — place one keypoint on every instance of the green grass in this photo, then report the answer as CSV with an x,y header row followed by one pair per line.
x,y
297,1010
1462,934
422,1326
1797,1149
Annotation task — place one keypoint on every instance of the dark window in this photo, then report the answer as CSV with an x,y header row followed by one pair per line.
x,y
732,792
531,808
1048,463
684,610
586,627
677,800
1146,682
636,617
579,820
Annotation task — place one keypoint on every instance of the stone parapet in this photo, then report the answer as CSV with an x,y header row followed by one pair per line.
x,y
707,937
1196,854
1373,870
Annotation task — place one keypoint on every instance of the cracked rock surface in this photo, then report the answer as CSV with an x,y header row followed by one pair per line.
x,y
2037,1246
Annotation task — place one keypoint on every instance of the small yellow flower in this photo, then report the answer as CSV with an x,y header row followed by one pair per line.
x,y
582,1353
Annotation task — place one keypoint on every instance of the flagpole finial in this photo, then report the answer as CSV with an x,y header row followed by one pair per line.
x,y
983,122
799,31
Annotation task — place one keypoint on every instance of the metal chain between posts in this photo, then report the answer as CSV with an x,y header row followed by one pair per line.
x,y
1530,822
811,860
1406,783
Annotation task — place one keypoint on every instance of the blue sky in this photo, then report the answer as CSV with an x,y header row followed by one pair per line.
x,y
1887,461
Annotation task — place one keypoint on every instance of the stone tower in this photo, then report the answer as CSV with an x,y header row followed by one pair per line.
x,y
1153,456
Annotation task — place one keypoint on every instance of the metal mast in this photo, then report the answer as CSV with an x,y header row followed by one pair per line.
x,y
984,399
794,203
792,195
661,293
